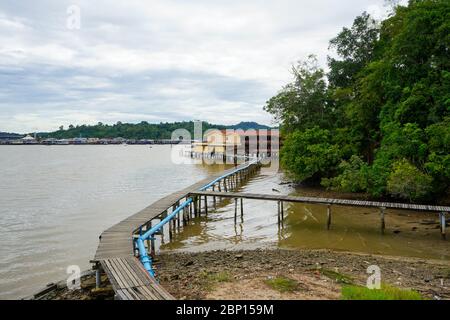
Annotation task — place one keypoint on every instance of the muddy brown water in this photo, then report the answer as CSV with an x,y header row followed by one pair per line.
x,y
55,201
354,229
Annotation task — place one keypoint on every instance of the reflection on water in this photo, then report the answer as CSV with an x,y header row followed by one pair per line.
x,y
353,228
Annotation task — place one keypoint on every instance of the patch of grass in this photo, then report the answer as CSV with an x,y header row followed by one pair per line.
x,y
336,276
209,280
446,274
222,276
282,284
387,292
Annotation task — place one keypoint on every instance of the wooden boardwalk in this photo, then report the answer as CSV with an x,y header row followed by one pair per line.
x,y
116,253
442,210
325,201
131,281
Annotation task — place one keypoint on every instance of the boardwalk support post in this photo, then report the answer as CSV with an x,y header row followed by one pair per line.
x,y
383,224
242,208
98,279
235,208
214,198
152,246
328,217
279,213
195,206
442,223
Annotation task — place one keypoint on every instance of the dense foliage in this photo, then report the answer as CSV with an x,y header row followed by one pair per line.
x,y
143,130
378,121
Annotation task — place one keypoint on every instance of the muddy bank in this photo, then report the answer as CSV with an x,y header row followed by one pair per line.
x,y
249,275
318,274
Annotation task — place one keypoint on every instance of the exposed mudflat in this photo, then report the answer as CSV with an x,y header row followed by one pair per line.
x,y
244,274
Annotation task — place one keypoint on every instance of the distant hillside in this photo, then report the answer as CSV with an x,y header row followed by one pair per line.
x,y
248,125
9,135
142,130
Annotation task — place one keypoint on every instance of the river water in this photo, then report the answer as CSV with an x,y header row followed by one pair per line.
x,y
56,200
355,229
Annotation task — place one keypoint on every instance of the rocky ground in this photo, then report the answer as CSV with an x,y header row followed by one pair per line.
x,y
319,274
248,275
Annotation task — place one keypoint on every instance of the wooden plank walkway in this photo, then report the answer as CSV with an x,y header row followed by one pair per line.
x,y
325,201
131,281
116,252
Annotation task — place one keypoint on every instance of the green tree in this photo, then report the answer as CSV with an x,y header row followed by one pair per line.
x,y
386,105
302,104
355,47
308,155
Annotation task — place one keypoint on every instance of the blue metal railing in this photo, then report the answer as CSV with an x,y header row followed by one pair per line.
x,y
146,260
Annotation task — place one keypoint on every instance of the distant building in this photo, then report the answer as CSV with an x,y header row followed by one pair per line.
x,y
238,142
29,140
118,140
49,141
80,141
63,142
93,140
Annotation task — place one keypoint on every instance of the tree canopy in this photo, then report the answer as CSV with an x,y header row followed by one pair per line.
x,y
142,130
378,121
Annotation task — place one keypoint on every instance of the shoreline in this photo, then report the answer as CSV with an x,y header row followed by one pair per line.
x,y
244,275
320,274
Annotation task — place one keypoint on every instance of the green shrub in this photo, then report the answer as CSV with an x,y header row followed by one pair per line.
x,y
406,181
353,177
309,154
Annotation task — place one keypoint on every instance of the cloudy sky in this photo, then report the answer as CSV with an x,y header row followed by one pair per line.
x,y
165,60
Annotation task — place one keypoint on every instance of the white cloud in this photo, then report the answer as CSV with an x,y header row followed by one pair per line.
x,y
157,60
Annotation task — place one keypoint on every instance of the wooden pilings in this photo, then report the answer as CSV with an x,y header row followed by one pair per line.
x,y
279,211
242,208
195,206
442,223
200,205
383,223
98,275
328,217
280,206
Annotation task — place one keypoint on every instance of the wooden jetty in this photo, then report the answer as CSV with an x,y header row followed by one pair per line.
x,y
442,210
116,253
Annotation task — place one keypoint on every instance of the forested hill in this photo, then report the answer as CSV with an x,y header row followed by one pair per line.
x,y
248,125
378,122
143,130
